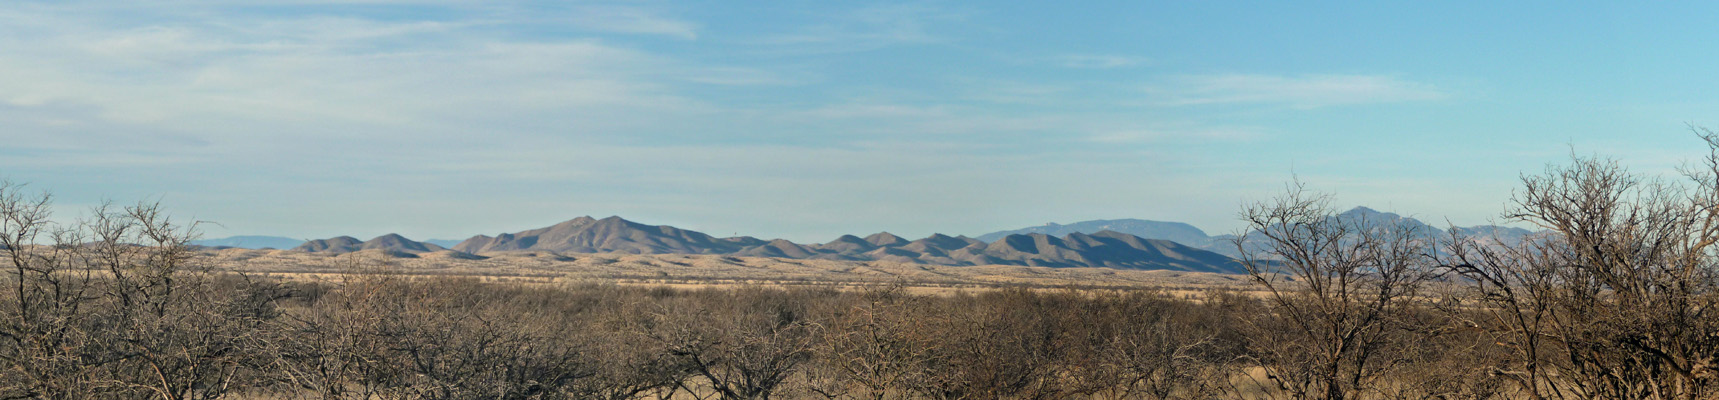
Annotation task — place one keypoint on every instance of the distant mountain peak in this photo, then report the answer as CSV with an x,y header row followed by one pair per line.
x,y
1173,231
1107,249
1365,212
389,243
582,220
251,242
611,234
848,239
885,239
847,244
614,234
1362,210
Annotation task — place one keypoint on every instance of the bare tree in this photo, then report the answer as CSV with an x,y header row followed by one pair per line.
x,y
1003,344
1147,345
45,351
877,344
1619,299
181,334
1335,286
109,306
745,344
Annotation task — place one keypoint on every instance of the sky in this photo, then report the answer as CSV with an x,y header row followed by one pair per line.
x,y
806,120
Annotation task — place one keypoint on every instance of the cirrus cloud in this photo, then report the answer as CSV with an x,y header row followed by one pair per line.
x,y
1099,61
1305,92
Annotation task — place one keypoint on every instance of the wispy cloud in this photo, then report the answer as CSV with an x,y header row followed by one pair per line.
x,y
371,112
866,29
742,76
870,120
319,75
1181,134
634,20
1312,91
1098,61
1015,92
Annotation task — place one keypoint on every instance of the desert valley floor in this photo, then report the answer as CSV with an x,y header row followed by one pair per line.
x,y
700,270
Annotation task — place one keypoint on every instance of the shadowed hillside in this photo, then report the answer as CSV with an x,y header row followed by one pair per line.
x,y
1224,244
389,243
616,235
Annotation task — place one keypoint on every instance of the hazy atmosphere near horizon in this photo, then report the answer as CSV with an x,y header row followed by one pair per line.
x,y
807,120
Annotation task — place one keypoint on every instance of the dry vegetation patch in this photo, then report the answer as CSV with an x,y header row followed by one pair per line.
x,y
708,270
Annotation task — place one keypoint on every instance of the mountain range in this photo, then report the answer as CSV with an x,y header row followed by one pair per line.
x,y
1173,231
1225,244
257,242
1106,249
1118,243
250,242
389,242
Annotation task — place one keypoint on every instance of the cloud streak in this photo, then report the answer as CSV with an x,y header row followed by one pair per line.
x,y
865,29
633,20
365,112
1099,61
298,76
1304,92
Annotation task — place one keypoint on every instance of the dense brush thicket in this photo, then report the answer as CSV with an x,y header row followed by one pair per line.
x,y
1618,299
223,336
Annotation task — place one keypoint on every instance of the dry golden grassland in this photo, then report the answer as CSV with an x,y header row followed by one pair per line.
x,y
701,271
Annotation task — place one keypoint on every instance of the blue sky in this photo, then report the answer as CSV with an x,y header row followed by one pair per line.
x,y
806,120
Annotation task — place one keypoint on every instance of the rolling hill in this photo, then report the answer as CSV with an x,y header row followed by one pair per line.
x,y
1106,249
389,243
1224,244
250,242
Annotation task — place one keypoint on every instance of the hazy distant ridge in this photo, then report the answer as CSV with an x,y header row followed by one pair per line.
x,y
618,235
608,235
1222,244
251,242
1120,243
390,243
1173,231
